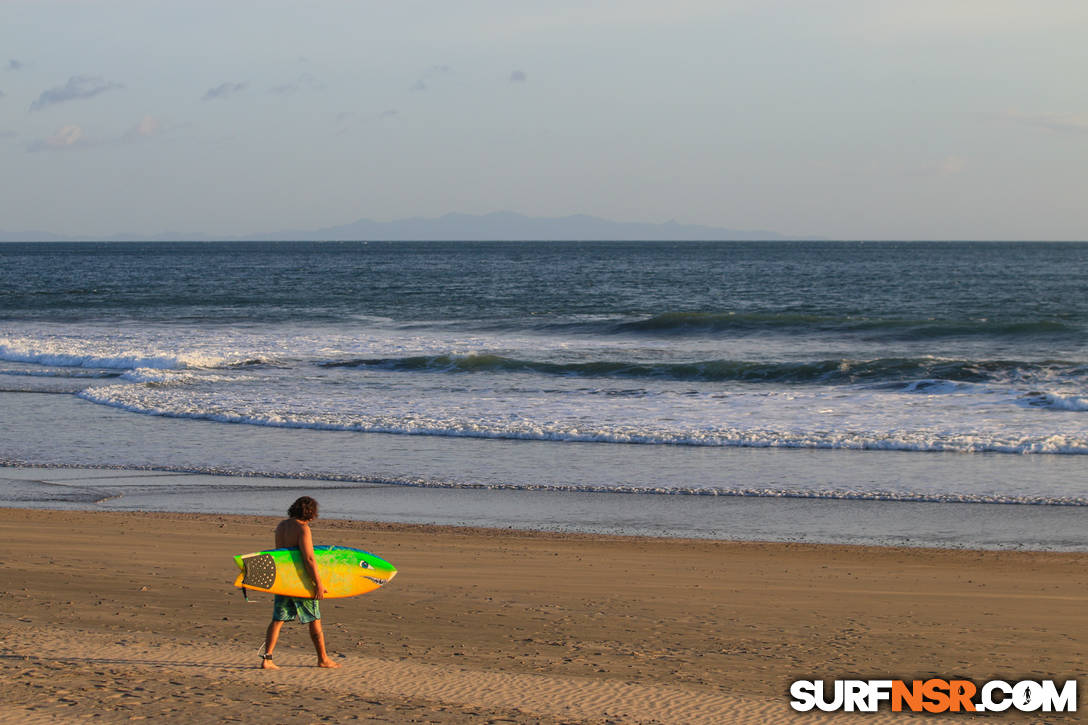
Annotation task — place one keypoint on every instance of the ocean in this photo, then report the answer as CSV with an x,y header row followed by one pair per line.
x,y
926,373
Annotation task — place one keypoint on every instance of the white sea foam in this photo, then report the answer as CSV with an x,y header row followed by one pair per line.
x,y
937,387
80,353
1057,401
201,373
828,418
155,376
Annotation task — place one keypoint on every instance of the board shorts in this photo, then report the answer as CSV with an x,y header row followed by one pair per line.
x,y
286,609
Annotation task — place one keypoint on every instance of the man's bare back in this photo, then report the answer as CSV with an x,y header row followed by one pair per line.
x,y
290,532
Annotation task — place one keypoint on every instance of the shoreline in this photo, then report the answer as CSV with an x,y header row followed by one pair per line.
x,y
111,613
886,523
541,534
348,479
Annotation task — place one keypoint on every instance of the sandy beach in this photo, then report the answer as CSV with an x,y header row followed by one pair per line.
x,y
122,616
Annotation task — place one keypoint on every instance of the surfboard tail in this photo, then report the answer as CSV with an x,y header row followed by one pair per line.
x,y
241,572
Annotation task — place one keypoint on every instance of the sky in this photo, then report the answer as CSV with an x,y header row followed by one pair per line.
x,y
859,119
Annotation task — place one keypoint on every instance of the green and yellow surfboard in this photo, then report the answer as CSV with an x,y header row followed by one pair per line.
x,y
344,571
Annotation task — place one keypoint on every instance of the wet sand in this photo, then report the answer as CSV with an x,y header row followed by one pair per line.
x,y
121,616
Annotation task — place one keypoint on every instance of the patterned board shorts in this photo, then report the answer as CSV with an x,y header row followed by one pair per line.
x,y
286,609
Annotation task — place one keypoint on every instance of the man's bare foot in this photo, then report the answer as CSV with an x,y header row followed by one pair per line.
x,y
268,665
328,664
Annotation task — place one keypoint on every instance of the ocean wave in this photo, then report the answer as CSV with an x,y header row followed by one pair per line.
x,y
520,428
1055,401
75,354
421,482
701,323
932,387
920,373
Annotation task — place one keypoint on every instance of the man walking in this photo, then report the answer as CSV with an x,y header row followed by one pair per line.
x,y
294,533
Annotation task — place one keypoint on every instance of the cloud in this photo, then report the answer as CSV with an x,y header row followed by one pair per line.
x,y
304,82
66,137
990,19
72,136
1056,122
350,116
151,127
349,120
147,127
950,165
430,73
224,90
77,87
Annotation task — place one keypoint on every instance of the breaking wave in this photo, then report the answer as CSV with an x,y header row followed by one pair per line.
x,y
73,354
525,428
701,323
917,372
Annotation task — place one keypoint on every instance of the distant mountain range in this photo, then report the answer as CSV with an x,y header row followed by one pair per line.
x,y
498,226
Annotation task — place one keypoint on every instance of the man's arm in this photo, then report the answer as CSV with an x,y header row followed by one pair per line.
x,y
306,547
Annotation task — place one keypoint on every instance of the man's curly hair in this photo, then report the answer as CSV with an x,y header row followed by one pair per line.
x,y
304,509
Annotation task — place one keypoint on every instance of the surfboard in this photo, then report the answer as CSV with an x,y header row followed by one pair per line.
x,y
345,572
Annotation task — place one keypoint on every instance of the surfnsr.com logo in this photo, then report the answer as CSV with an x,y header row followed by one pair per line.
x,y
934,695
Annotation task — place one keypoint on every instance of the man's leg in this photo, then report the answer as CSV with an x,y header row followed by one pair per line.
x,y
270,638
319,644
